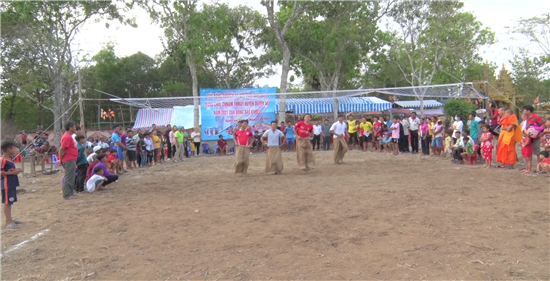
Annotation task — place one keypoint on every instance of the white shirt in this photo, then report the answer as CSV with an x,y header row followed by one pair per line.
x,y
196,137
273,138
317,129
90,157
406,125
74,138
91,183
414,123
457,126
338,128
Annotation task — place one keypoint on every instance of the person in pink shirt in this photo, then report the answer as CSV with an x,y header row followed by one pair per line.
x,y
424,129
395,135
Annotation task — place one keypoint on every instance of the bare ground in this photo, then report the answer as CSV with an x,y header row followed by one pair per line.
x,y
377,217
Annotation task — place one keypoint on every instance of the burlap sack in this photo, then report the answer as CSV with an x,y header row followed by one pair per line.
x,y
242,155
304,154
340,150
274,160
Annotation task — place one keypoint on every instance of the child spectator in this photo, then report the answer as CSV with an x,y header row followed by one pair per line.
x,y
96,182
486,140
9,181
81,163
438,137
386,140
97,150
150,148
468,148
222,146
527,151
156,146
458,148
113,162
377,127
142,150
395,134
544,164
448,143
546,133
91,167
102,161
131,153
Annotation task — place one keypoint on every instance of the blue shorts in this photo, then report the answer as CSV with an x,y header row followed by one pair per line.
x,y
9,196
437,142
119,153
290,140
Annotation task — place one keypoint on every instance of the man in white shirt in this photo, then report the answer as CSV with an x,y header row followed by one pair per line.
x,y
404,141
338,130
414,123
317,130
274,139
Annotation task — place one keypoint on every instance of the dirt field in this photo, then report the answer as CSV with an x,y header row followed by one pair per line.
x,y
377,217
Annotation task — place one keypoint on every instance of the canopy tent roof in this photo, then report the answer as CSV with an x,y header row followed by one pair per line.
x,y
416,103
326,105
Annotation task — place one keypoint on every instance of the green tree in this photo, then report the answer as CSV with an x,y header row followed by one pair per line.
x,y
458,107
529,77
434,34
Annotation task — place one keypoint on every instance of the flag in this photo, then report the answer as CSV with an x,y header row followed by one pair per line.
x,y
536,100
103,113
111,113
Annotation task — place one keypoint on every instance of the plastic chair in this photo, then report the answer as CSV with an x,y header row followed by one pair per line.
x,y
55,160
206,148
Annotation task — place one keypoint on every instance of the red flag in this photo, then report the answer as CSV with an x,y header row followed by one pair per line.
x,y
536,100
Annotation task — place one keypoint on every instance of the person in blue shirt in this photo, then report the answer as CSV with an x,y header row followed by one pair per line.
x,y
289,132
9,181
81,163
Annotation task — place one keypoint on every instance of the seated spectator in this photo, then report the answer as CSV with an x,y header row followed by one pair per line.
x,y
222,146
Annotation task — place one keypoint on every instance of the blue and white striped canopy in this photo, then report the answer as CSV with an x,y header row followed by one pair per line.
x,y
326,105
416,103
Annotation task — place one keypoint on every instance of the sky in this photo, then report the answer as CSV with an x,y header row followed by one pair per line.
x,y
146,38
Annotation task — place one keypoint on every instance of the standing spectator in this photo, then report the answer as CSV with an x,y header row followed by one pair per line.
x,y
533,119
178,135
508,137
289,132
68,154
131,144
458,124
23,138
317,130
414,123
9,181
196,136
474,127
118,146
395,135
424,129
81,163
404,138
326,135
150,148
366,133
156,146
352,132
173,141
123,137
168,141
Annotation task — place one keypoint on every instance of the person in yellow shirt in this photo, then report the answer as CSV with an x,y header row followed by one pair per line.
x,y
431,124
352,131
156,143
366,130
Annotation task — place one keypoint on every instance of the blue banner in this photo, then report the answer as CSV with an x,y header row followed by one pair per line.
x,y
221,110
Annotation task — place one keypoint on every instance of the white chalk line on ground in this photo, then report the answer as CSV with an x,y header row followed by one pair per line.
x,y
20,245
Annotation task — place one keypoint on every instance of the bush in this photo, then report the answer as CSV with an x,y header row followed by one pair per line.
x,y
459,107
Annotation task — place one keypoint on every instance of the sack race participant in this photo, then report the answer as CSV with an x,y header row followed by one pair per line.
x,y
338,130
274,139
243,142
304,151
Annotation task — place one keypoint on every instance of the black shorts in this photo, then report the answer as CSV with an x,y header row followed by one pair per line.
x,y
394,140
10,194
131,154
353,138
366,139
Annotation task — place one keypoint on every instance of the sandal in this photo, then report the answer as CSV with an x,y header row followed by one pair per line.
x,y
12,226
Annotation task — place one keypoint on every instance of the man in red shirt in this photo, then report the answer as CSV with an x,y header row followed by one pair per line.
x,y
304,151
532,118
243,142
222,146
67,157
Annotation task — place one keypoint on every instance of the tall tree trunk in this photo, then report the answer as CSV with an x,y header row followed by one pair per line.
x,y
285,69
40,98
196,101
58,110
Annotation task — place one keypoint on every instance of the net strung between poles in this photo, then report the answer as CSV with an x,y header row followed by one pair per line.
x,y
446,91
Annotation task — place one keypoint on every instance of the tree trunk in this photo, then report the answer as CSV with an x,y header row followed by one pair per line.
x,y
58,110
196,101
40,99
285,69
